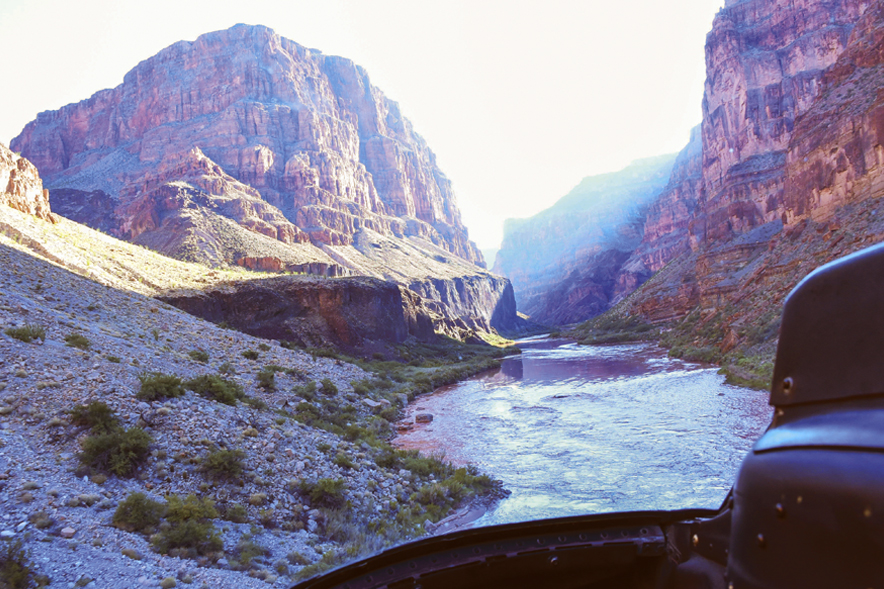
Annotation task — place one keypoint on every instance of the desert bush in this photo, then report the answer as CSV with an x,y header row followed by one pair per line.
x,y
96,415
227,368
212,386
15,567
114,359
117,451
198,355
245,551
328,387
267,378
237,514
255,403
157,386
27,333
138,513
223,464
250,355
324,492
263,347
344,461
77,340
307,391
190,531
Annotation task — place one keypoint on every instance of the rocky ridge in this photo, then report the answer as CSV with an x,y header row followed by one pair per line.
x,y
245,148
22,187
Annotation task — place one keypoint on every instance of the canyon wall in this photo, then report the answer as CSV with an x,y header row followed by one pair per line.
x,y
245,148
292,143
564,261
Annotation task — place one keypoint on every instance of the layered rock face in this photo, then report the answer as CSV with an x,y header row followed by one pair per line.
x,y
288,142
351,313
21,187
836,151
765,60
564,262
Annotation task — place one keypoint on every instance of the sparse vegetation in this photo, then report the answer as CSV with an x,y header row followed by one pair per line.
x,y
212,386
189,531
223,464
15,567
27,333
96,415
138,513
198,355
156,386
250,355
267,378
119,452
328,387
77,340
324,492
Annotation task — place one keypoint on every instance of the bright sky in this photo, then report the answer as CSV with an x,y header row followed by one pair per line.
x,y
519,99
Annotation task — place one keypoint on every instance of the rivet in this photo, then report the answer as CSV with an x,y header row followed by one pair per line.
x,y
553,560
695,540
788,383
761,541
867,512
781,511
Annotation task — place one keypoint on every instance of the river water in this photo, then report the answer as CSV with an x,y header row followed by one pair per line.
x,y
575,429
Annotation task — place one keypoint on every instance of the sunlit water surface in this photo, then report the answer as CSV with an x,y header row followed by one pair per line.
x,y
586,429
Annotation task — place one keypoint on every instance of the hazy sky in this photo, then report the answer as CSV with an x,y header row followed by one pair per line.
x,y
519,99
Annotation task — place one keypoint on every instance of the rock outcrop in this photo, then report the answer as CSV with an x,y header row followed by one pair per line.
x,y
21,187
245,148
346,313
291,143
564,262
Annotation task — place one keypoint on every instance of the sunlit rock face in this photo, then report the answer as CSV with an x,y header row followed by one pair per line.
x,y
564,262
242,123
21,187
765,61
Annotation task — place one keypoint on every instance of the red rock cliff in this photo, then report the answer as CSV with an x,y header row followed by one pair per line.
x,y
21,187
295,144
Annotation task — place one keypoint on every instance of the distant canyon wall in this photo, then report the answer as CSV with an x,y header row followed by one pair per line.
x,y
791,135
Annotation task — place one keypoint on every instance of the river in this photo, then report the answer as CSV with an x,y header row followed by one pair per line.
x,y
575,429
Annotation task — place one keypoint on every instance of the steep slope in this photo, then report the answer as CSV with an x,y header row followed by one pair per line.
x,y
245,148
759,229
564,261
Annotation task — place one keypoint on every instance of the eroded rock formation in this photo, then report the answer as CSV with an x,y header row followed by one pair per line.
x,y
284,140
21,187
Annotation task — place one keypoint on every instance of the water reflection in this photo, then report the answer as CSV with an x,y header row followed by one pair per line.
x,y
577,429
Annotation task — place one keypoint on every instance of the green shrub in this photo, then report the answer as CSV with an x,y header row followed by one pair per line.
x,y
250,355
307,391
96,415
245,551
227,368
328,387
212,386
344,461
267,379
27,333
223,464
77,340
190,531
114,359
15,568
237,514
254,403
138,513
157,386
263,347
117,451
198,355
324,492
